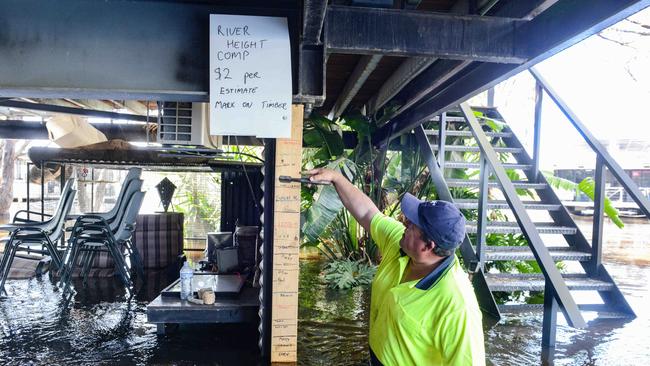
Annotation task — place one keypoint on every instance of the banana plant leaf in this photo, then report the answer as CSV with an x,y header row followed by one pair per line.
x,y
325,208
496,126
353,228
588,187
560,183
325,134
321,213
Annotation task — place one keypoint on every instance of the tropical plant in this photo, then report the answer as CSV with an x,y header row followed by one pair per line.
x,y
347,273
196,203
383,177
321,207
588,187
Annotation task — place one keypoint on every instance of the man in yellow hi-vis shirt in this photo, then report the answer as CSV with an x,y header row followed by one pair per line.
x,y
423,310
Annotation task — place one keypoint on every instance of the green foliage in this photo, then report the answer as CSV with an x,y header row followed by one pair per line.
x,y
247,154
324,135
346,273
324,223
321,211
560,183
196,203
494,124
588,187
514,176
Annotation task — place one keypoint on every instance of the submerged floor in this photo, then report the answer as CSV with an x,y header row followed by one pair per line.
x,y
101,327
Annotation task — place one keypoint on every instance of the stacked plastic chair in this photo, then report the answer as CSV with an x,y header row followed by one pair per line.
x,y
36,237
109,232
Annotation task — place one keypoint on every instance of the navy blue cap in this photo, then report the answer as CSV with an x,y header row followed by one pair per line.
x,y
441,221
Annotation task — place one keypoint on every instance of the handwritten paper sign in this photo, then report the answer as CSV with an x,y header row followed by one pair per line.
x,y
250,76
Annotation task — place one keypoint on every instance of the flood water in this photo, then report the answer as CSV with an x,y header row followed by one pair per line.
x,y
101,326
333,324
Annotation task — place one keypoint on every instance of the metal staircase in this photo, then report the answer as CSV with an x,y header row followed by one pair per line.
x,y
551,233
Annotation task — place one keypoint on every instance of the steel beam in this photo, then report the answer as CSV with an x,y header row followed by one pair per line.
x,y
313,18
616,170
442,141
560,26
125,50
393,32
540,251
482,221
421,87
598,216
549,322
311,76
537,134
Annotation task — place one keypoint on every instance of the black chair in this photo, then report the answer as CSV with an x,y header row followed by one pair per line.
x,y
92,234
132,183
129,186
37,237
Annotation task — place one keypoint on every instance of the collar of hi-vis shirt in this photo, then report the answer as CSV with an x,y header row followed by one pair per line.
x,y
429,280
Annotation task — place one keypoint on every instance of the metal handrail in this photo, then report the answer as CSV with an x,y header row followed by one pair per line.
x,y
616,170
553,277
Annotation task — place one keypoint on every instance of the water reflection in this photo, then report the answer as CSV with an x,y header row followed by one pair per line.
x,y
101,326
333,324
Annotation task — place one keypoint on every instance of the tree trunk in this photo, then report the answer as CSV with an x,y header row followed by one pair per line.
x,y
7,166
85,192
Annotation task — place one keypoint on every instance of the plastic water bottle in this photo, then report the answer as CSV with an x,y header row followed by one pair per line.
x,y
186,281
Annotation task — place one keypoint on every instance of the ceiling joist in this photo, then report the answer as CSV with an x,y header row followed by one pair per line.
x,y
365,66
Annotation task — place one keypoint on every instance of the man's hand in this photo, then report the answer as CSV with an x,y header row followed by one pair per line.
x,y
325,175
355,201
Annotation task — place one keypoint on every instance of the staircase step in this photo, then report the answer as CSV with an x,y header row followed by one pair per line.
x,y
467,165
469,183
506,227
536,282
449,119
523,253
499,149
603,310
503,205
463,133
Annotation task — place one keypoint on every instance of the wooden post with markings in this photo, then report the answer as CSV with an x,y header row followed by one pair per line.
x,y
286,244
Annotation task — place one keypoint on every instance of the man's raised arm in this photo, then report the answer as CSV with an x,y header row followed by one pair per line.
x,y
355,201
